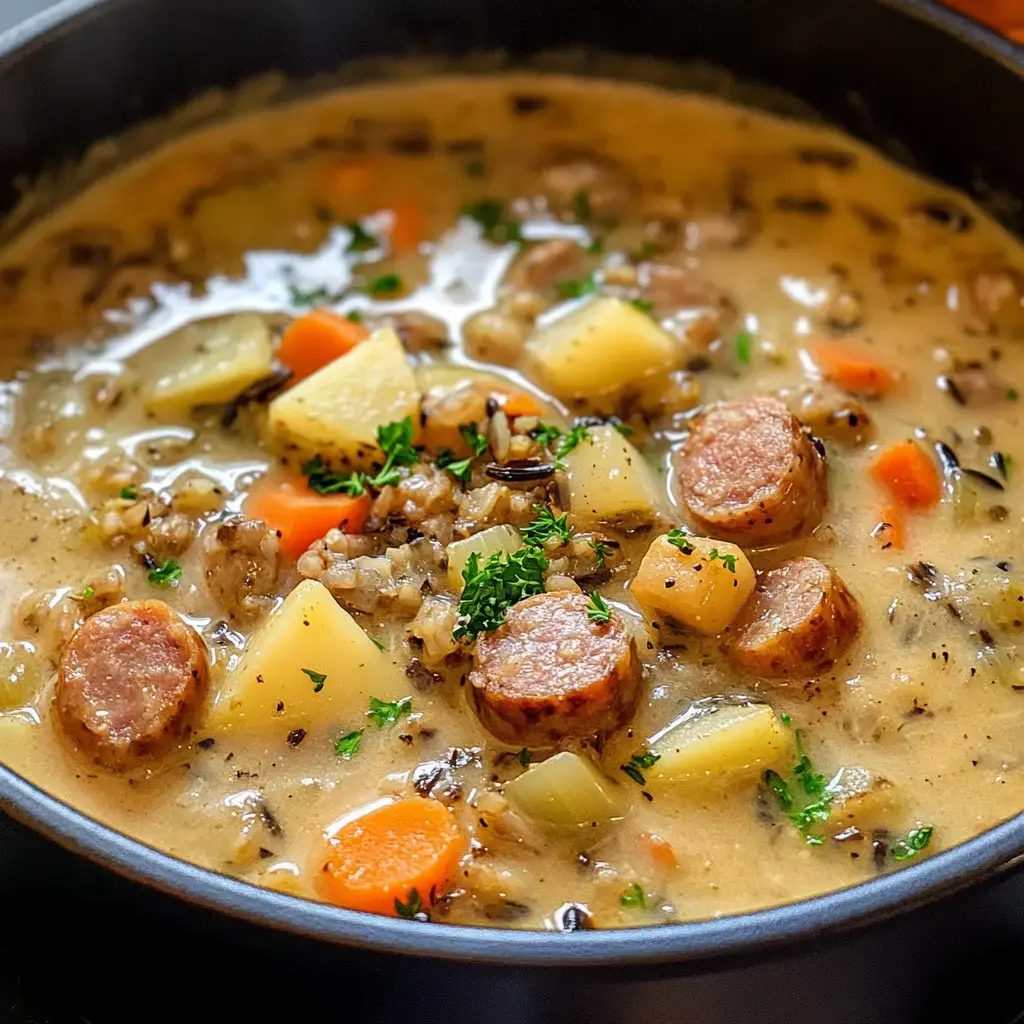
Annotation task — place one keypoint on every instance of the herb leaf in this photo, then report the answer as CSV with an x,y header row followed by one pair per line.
x,y
319,678
524,757
638,764
413,906
602,551
779,788
395,440
546,526
165,575
361,239
384,285
491,589
378,643
459,468
813,784
576,289
570,441
597,610
324,481
495,226
744,346
388,712
917,839
473,438
645,306
729,561
298,297
545,434
581,206
634,897
130,493
680,539
347,746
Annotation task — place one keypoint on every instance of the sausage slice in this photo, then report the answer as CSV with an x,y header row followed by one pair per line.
x,y
749,472
129,680
800,618
549,672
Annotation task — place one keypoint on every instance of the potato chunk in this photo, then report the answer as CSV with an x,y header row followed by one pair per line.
x,y
564,790
268,689
702,585
609,480
337,410
485,543
601,348
218,359
861,799
735,742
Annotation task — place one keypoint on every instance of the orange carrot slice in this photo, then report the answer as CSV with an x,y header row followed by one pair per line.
x,y
909,475
316,339
302,516
407,228
852,367
403,852
521,403
658,850
350,180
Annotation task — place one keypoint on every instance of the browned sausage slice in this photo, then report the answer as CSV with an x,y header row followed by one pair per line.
x,y
748,472
549,672
128,681
800,618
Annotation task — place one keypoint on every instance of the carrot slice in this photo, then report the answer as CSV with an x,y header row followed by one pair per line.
x,y
852,368
349,180
302,516
407,228
316,339
520,403
401,852
895,536
658,850
909,475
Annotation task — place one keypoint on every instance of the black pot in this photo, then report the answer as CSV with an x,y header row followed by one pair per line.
x,y
82,943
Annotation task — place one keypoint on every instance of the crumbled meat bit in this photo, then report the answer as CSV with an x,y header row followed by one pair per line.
x,y
546,263
606,184
241,561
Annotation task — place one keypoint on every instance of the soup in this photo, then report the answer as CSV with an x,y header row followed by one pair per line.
x,y
517,501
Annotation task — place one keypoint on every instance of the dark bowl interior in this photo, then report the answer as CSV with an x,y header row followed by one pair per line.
x,y
92,68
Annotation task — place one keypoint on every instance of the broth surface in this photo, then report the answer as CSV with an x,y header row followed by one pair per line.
x,y
783,236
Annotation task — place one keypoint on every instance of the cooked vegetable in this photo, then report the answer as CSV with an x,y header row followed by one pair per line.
x,y
861,798
270,691
909,475
702,584
566,790
609,480
406,231
522,403
338,411
852,367
388,860
600,349
734,742
502,539
300,515
222,358
316,339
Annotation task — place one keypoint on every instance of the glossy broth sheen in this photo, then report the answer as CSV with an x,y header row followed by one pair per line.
x,y
808,235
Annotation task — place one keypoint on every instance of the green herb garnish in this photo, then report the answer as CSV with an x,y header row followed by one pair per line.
x,y
130,493
680,539
347,746
596,247
473,438
165,575
545,434
623,428
634,897
325,481
644,305
524,757
395,440
546,526
495,226
388,712
88,592
459,468
576,288
475,169
814,786
779,788
786,720
917,839
744,347
602,551
1012,394
385,284
568,442
361,239
378,643
491,589
298,297
581,206
412,908
355,316
597,610
728,560
318,678
638,764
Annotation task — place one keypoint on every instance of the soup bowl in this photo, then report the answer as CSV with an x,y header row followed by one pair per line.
x,y
108,916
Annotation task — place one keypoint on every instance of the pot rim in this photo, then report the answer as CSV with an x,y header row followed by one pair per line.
x,y
996,851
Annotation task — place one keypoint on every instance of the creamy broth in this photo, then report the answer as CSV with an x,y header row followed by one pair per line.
x,y
793,237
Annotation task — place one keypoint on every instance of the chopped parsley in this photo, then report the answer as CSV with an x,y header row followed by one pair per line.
x,y
786,720
412,908
378,643
495,225
395,440
576,288
744,347
130,493
347,746
568,442
459,468
546,526
596,247
545,434
581,206
917,839
319,678
355,316
524,757
597,610
492,588
324,481
645,252
88,591
165,575
361,239
473,438
387,712
779,788
645,306
814,786
729,561
386,284
623,428
299,297
475,169
602,551
634,897
1012,394
680,539
638,764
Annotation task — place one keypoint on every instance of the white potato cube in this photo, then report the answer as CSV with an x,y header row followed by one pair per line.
x,y
564,790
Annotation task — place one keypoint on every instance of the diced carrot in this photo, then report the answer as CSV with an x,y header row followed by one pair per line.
x,y
301,515
521,403
852,367
316,339
400,852
407,228
658,850
909,475
895,536
349,180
